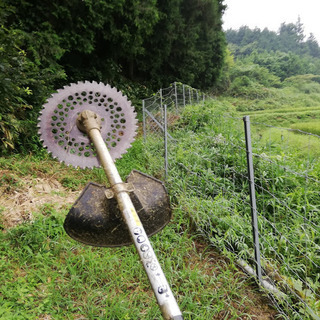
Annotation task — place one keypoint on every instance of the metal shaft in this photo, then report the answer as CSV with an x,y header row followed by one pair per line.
x,y
168,305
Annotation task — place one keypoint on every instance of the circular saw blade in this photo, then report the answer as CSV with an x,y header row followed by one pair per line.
x,y
63,139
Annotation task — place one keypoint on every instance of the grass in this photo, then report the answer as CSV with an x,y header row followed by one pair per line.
x,y
300,146
311,127
282,107
284,119
208,175
46,275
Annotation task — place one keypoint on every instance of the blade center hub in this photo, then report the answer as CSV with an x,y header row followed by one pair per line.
x,y
88,120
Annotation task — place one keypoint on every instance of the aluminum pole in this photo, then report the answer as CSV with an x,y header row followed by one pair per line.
x,y
166,301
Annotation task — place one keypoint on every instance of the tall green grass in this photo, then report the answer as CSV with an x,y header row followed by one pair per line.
x,y
311,127
297,101
44,274
209,178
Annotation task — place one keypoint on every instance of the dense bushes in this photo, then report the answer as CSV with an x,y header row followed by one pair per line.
x,y
266,59
133,45
251,80
23,88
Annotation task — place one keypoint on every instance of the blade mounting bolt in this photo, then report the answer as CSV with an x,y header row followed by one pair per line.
x,y
88,120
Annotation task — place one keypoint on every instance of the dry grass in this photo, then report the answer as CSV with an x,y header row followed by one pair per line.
x,y
23,196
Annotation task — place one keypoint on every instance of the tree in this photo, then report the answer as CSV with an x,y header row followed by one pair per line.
x,y
291,36
98,38
284,53
312,46
145,40
23,85
188,44
115,41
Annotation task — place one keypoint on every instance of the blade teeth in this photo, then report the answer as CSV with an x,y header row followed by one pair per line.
x,y
129,111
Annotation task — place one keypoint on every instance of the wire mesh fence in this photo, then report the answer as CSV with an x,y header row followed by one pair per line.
x,y
208,166
175,97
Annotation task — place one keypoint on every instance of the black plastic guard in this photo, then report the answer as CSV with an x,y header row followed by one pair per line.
x,y
97,221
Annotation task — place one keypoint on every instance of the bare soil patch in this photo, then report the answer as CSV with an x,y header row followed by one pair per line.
x,y
21,197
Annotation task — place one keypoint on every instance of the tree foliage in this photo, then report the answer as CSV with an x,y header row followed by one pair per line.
x,y
188,44
24,83
251,80
46,44
265,59
289,38
147,40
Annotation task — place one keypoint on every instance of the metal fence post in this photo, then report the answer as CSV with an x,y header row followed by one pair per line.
x,y
144,121
161,104
254,217
165,143
176,96
184,96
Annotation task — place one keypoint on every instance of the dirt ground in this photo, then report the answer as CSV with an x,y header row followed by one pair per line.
x,y
21,197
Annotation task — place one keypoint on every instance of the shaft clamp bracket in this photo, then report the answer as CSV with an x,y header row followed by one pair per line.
x,y
117,188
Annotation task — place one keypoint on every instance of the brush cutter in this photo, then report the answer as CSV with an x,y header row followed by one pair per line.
x,y
90,124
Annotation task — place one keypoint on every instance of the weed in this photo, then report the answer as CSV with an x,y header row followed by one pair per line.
x,y
45,274
208,181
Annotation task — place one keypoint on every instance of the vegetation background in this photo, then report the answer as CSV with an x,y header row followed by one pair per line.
x,y
134,45
138,47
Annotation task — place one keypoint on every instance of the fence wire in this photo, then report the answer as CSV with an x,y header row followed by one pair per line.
x,y
209,169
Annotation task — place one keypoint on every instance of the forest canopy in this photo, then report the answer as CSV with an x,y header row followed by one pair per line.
x,y
151,41
289,38
261,59
49,43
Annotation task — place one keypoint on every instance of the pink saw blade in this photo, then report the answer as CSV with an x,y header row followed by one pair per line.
x,y
62,138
